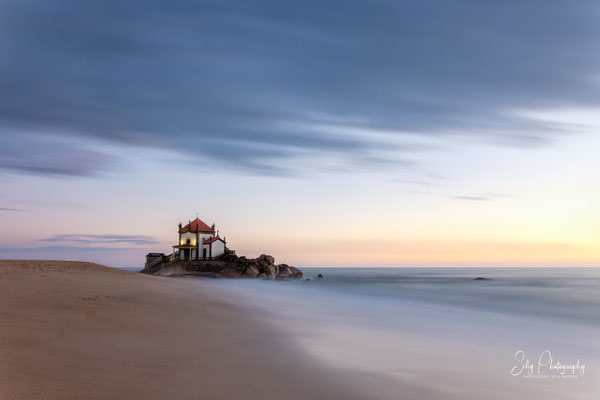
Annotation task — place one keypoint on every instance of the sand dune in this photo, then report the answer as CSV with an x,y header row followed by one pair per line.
x,y
75,330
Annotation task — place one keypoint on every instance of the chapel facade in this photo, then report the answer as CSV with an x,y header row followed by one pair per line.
x,y
198,241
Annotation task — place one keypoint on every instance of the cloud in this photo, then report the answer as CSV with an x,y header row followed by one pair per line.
x,y
11,209
100,239
61,250
472,198
50,156
481,197
265,86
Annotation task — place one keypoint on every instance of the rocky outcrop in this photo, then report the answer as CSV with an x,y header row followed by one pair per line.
x,y
287,272
228,266
250,272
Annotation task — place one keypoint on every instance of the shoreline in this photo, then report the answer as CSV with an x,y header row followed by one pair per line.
x,y
82,330
73,330
430,337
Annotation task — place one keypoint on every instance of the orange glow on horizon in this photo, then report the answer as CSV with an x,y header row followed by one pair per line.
x,y
424,253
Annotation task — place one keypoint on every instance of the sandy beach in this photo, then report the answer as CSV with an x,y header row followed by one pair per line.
x,y
75,330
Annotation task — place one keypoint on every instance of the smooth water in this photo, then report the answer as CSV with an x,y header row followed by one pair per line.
x,y
564,294
441,331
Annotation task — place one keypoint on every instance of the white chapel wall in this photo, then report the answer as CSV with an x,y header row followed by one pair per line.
x,y
218,248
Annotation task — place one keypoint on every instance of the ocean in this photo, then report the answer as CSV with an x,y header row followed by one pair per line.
x,y
519,332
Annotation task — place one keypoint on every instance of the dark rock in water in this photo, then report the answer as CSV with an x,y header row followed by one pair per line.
x,y
479,278
296,273
320,276
307,280
285,273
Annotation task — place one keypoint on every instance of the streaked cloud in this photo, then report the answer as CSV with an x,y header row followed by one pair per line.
x,y
48,155
472,198
269,87
23,252
481,196
100,239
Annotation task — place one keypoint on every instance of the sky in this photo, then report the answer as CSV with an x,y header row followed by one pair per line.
x,y
342,133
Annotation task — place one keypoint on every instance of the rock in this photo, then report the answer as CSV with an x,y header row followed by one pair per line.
x,y
228,266
229,273
250,272
269,259
229,257
296,273
234,265
307,280
320,276
479,278
271,270
260,265
285,273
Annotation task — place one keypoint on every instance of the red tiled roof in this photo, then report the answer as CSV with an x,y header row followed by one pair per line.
x,y
197,226
185,246
212,239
